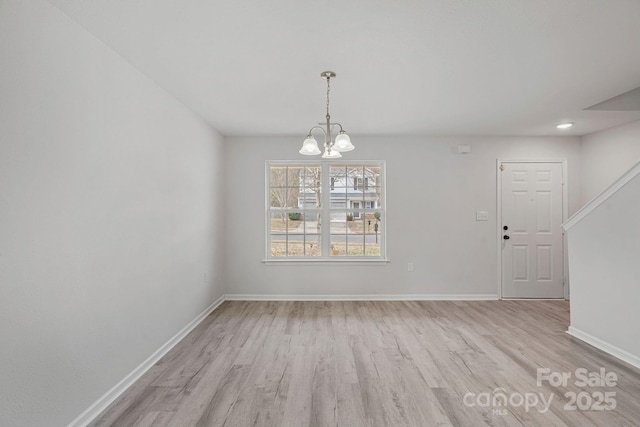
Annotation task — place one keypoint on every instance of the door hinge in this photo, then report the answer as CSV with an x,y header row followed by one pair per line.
x,y
502,167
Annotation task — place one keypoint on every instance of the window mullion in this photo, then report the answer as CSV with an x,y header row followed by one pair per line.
x,y
303,188
325,194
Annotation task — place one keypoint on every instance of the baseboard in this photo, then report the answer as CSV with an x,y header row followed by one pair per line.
x,y
367,297
103,402
605,346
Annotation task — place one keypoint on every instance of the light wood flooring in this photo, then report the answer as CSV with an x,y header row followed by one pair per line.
x,y
383,363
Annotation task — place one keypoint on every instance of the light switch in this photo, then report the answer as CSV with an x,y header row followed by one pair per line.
x,y
482,216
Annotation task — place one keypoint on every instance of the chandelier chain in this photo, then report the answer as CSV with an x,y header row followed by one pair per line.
x,y
328,89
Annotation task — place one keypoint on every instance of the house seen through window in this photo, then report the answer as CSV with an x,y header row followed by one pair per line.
x,y
325,210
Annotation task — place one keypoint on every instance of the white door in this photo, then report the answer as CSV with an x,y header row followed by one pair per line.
x,y
356,205
532,250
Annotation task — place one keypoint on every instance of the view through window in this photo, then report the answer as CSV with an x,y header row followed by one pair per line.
x,y
326,210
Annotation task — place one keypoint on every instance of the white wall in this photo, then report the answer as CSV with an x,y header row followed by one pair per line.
x,y
606,155
605,274
432,197
110,195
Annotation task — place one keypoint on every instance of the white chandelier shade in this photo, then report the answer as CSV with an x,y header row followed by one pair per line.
x,y
343,143
333,154
310,147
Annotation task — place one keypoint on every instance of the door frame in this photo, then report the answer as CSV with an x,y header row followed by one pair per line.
x,y
565,211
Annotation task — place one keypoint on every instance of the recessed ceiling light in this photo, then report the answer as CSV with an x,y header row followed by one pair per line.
x,y
564,125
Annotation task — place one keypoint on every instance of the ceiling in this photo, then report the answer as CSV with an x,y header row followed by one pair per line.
x,y
410,67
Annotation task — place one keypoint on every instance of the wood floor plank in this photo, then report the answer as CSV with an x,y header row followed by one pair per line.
x,y
297,410
373,363
197,397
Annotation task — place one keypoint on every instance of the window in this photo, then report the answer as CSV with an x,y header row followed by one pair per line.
x,y
325,210
361,183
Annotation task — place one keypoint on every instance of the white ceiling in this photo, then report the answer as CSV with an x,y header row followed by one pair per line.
x,y
463,67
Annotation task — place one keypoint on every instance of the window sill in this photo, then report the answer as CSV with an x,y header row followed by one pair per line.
x,y
299,261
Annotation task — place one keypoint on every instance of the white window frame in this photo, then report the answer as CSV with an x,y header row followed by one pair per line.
x,y
326,210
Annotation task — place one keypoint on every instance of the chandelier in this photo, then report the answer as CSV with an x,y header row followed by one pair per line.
x,y
332,149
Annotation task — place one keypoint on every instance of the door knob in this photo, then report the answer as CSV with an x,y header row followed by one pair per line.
x,y
506,237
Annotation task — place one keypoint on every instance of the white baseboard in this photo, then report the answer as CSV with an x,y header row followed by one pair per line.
x,y
605,346
368,297
103,402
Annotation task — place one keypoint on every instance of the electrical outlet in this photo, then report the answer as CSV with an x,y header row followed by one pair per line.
x,y
410,266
